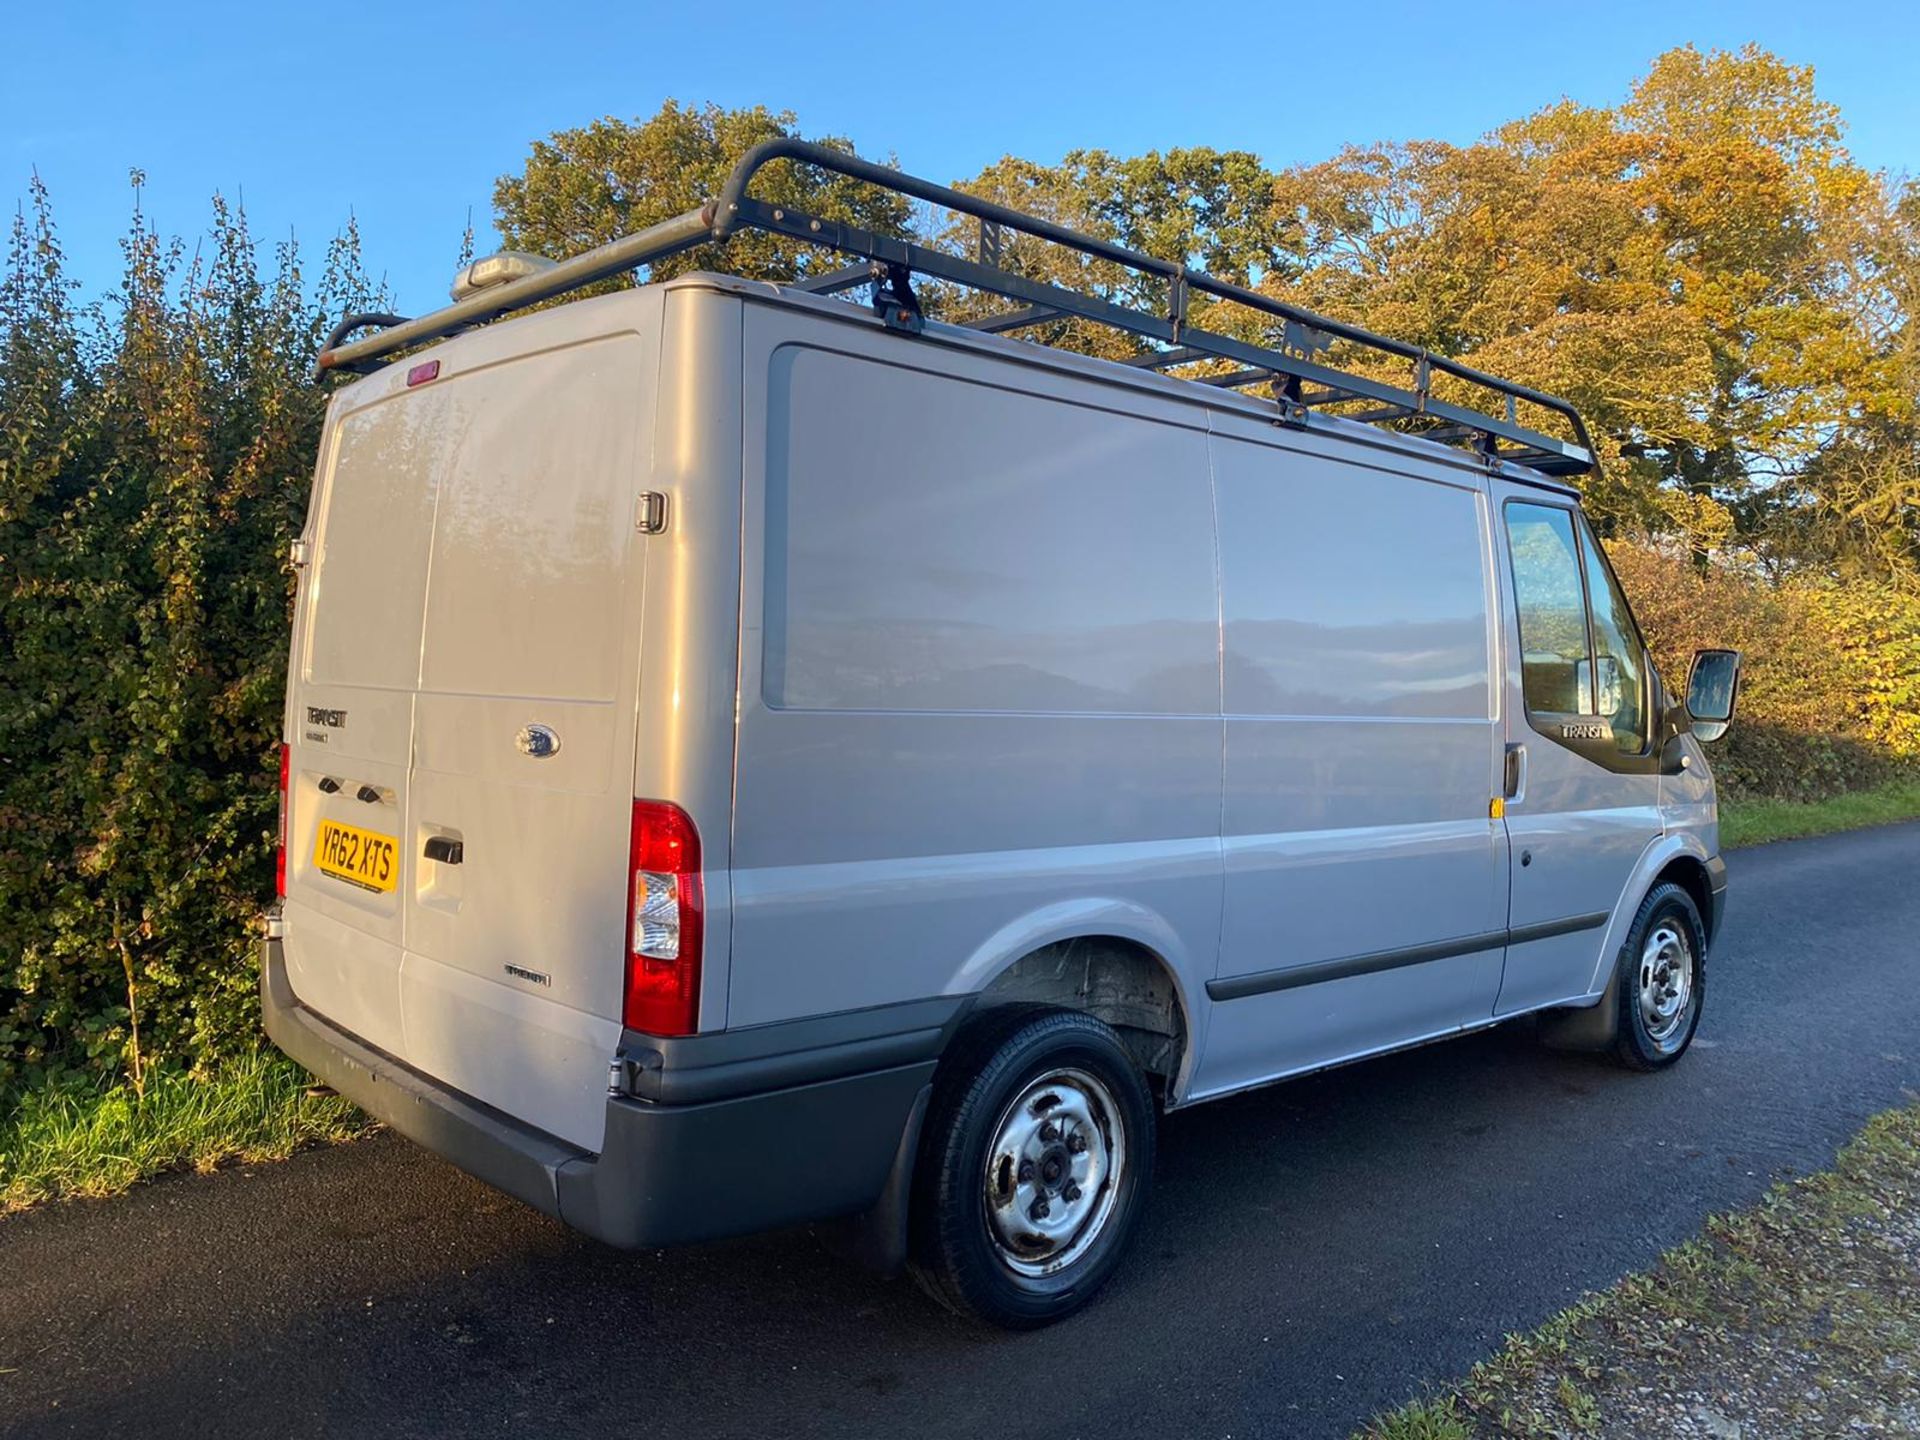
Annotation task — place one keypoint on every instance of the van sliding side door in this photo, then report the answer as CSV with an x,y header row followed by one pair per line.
x,y
1582,777
1365,895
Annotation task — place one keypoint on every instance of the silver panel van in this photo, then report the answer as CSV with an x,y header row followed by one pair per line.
x,y
755,758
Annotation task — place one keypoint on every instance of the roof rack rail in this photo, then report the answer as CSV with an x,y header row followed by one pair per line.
x,y
889,262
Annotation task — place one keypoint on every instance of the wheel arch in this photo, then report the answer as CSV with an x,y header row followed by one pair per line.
x,y
1119,962
1689,872
1677,855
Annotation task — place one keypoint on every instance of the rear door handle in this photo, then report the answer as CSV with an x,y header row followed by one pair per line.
x,y
445,849
1516,776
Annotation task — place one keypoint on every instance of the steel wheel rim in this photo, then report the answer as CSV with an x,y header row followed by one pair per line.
x,y
1666,982
1053,1172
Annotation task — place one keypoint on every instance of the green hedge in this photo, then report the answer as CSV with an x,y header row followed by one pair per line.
x,y
155,452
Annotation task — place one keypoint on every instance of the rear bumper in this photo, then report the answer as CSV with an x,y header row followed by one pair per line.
x,y
779,1125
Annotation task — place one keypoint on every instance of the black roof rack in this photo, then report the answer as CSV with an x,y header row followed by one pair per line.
x,y
1297,383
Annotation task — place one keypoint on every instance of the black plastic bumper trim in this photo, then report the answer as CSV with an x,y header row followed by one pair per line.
x,y
696,1068
666,1173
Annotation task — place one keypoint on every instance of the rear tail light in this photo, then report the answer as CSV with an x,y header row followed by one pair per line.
x,y
664,900
280,850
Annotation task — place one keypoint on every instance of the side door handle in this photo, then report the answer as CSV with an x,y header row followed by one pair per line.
x,y
1516,776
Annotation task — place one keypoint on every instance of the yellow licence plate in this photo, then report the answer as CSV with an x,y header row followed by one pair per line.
x,y
359,857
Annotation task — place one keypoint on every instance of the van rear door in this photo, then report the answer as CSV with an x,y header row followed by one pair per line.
x,y
475,612
351,693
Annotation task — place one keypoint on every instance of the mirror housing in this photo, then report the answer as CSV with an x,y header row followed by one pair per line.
x,y
1713,686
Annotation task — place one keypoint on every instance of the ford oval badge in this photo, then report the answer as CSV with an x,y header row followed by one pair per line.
x,y
537,741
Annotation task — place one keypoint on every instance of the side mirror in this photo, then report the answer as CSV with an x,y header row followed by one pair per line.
x,y
1712,687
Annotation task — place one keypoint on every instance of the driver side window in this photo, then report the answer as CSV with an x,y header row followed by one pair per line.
x,y
1621,692
1580,654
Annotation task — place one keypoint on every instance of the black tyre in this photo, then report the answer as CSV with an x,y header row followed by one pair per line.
x,y
1035,1164
1662,980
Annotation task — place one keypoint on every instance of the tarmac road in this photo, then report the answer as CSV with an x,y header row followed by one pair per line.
x,y
1314,1252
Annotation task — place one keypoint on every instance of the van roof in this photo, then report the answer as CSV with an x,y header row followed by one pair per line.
x,y
1313,370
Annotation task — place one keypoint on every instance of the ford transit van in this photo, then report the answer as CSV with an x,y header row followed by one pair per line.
x,y
756,757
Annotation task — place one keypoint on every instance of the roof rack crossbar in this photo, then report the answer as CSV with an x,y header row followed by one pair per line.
x,y
1373,417
1235,379
1014,319
834,281
1167,359
922,260
1172,338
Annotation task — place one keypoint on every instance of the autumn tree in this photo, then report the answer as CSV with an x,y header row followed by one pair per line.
x,y
584,187
1702,269
1204,208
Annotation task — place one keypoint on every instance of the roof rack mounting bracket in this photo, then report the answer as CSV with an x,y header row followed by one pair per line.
x,y
1294,411
894,301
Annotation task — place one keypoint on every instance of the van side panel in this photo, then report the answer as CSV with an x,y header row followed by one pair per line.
x,y
1360,755
981,673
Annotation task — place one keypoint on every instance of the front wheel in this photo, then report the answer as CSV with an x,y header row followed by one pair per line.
x,y
1034,1166
1662,980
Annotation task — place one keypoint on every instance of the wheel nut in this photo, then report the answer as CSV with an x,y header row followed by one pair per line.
x,y
1026,1171
1077,1143
1071,1193
1049,1132
1040,1209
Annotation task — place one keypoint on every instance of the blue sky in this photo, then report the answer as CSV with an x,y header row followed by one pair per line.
x,y
404,113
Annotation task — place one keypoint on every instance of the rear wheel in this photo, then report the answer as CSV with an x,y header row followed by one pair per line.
x,y
1035,1164
1662,980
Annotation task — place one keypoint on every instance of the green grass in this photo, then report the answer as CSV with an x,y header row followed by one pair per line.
x,y
1754,822
93,1140
1798,1317
1422,1420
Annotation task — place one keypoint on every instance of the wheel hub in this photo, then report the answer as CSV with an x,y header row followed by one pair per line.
x,y
1666,982
1053,1170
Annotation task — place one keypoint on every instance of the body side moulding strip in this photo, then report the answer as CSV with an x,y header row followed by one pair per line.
x,y
1265,982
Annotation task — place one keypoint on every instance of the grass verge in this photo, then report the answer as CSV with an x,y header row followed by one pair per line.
x,y
1797,1318
1754,822
99,1140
